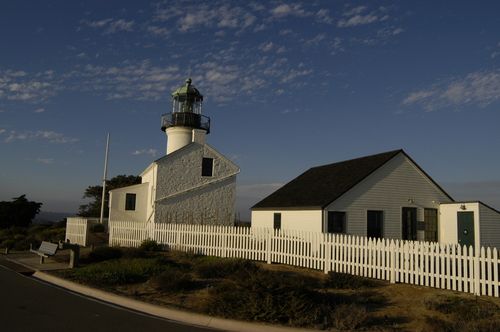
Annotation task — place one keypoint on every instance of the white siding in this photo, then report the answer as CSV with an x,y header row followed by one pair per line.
x,y
388,189
305,220
490,227
149,176
448,222
117,203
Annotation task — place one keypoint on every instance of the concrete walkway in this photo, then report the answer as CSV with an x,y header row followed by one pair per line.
x,y
31,261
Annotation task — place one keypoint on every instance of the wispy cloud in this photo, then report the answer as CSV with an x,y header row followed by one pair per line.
x,y
45,161
496,52
29,87
111,25
151,152
41,135
189,16
479,88
158,31
128,80
2,131
286,9
361,16
39,110
323,16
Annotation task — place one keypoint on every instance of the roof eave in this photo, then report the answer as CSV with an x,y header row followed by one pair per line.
x,y
285,208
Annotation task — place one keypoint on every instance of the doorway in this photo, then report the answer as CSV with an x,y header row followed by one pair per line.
x,y
409,223
465,226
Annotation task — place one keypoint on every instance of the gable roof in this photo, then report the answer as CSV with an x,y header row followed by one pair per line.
x,y
319,186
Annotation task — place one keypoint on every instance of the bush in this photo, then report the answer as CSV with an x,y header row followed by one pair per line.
x,y
172,280
133,253
97,228
462,308
150,245
7,243
270,297
221,268
440,325
101,254
118,272
338,280
348,317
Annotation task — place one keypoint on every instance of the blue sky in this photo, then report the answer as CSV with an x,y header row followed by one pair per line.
x,y
288,85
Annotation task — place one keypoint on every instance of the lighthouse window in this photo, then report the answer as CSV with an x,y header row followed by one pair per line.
x,y
207,167
130,202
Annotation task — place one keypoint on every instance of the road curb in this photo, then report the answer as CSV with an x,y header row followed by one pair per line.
x,y
163,312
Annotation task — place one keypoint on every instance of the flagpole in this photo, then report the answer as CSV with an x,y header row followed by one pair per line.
x,y
104,180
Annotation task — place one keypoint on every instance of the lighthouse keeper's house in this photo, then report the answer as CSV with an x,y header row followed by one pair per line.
x,y
387,195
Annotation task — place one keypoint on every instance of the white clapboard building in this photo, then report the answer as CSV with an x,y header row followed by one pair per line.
x,y
387,195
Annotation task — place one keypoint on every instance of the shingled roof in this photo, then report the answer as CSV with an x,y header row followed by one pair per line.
x,y
319,186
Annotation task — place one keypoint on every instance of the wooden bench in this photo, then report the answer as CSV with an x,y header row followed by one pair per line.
x,y
46,249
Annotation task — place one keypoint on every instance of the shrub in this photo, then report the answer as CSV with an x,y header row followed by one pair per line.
x,y
440,325
267,296
117,272
348,317
7,243
462,308
221,268
133,253
100,254
338,280
172,280
150,245
97,228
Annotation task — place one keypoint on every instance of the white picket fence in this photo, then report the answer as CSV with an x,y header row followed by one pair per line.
x,y
77,230
421,263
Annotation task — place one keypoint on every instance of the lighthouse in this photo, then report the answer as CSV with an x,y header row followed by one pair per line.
x,y
185,124
192,184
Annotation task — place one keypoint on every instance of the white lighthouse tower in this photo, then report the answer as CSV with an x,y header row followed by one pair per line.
x,y
192,184
185,124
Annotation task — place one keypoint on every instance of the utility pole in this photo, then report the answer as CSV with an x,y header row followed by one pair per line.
x,y
104,180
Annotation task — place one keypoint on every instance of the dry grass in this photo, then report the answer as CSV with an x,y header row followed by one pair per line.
x,y
302,297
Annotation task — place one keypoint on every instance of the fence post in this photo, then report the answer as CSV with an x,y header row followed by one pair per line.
x,y
86,228
477,272
392,249
110,232
328,252
268,245
224,241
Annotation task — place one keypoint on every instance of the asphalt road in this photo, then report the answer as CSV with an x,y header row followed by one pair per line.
x,y
30,305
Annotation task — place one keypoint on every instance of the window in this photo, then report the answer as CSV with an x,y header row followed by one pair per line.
x,y
277,221
336,222
375,222
207,166
409,223
430,228
130,202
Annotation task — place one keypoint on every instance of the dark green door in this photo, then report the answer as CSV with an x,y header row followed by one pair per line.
x,y
431,225
465,228
409,221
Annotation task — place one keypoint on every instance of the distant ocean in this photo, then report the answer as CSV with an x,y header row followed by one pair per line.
x,y
51,217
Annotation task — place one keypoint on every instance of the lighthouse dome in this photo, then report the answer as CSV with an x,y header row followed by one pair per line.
x,y
187,91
